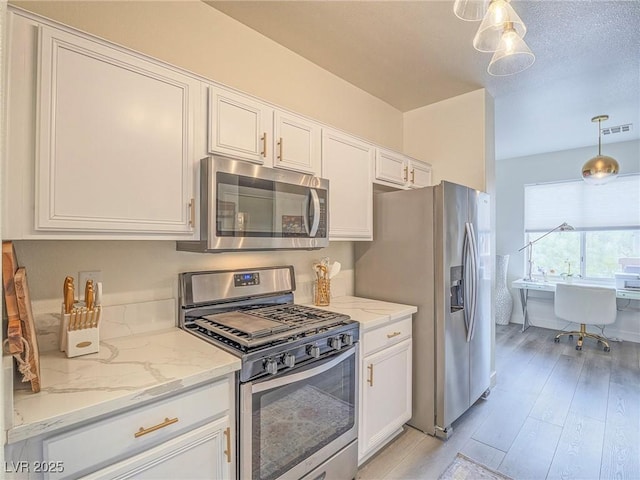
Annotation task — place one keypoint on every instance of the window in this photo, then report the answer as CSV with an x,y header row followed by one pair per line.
x,y
606,222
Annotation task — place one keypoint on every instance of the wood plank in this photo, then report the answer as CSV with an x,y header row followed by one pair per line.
x,y
482,453
14,326
392,455
28,326
621,449
500,428
579,452
592,392
624,367
532,451
555,399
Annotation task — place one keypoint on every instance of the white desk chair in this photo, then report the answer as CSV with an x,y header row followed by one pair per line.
x,y
586,305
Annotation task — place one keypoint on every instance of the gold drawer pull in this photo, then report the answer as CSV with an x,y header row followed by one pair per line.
x,y
144,431
264,145
192,213
280,149
394,334
413,176
406,173
370,379
227,452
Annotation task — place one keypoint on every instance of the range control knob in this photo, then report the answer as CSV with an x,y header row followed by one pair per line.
x,y
335,343
314,351
347,339
271,366
289,360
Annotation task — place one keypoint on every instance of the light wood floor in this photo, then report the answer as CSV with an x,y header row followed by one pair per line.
x,y
555,413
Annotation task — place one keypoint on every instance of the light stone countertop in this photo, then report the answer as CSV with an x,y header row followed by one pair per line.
x,y
369,313
127,371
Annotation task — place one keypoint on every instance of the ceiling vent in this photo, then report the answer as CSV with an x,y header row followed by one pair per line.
x,y
617,129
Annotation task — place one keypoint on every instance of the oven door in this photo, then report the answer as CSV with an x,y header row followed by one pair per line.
x,y
254,207
293,422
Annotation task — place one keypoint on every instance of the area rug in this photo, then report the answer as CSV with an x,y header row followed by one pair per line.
x,y
464,468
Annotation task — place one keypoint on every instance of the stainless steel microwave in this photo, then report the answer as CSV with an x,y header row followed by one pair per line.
x,y
250,207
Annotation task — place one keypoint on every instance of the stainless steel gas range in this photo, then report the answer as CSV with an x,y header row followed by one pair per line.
x,y
297,387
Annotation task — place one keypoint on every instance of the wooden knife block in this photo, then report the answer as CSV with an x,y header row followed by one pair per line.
x,y
80,341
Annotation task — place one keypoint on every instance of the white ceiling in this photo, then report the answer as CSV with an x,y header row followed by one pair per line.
x,y
414,53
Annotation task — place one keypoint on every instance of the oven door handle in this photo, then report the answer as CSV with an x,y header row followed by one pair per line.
x,y
325,365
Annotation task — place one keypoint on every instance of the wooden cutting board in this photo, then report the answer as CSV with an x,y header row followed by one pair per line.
x,y
14,328
29,328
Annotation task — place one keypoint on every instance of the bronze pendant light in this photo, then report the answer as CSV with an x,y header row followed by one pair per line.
x,y
600,169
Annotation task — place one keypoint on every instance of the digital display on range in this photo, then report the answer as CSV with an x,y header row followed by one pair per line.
x,y
246,279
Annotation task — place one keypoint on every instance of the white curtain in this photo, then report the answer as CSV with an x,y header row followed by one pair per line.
x,y
615,205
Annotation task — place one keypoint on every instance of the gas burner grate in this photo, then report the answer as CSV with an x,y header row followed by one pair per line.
x,y
296,314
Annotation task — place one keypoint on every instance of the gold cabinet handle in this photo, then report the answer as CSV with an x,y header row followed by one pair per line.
x,y
413,175
264,145
227,452
144,431
280,149
370,379
406,173
394,334
192,213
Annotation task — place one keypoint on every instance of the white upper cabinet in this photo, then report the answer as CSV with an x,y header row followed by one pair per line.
x,y
401,171
240,127
115,140
297,143
348,164
244,128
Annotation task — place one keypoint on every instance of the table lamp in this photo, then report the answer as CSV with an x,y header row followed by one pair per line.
x,y
564,227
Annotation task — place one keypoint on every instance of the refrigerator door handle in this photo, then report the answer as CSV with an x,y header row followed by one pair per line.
x,y
470,279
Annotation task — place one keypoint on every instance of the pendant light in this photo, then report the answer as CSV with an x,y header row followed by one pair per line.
x,y
600,169
470,10
512,55
490,32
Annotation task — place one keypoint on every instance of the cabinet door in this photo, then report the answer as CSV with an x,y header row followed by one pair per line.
x,y
391,167
348,165
204,453
115,140
386,396
419,174
240,127
297,143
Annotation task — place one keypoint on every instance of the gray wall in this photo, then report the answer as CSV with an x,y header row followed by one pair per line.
x,y
511,176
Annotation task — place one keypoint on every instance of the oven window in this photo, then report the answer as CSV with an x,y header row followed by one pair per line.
x,y
293,421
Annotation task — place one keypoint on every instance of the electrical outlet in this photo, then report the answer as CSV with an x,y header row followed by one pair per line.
x,y
95,275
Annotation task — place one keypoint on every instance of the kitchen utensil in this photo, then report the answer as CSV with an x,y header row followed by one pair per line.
x,y
14,327
68,294
334,270
89,294
29,329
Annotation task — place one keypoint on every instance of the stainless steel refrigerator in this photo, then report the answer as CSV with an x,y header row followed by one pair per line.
x,y
431,249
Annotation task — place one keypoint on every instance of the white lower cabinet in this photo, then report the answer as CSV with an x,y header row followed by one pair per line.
x,y
385,385
189,434
199,454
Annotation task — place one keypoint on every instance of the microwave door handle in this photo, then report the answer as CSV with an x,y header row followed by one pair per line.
x,y
315,222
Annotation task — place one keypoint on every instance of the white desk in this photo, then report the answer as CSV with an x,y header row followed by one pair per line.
x,y
524,286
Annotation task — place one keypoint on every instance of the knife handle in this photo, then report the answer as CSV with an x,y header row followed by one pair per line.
x,y
68,294
89,295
